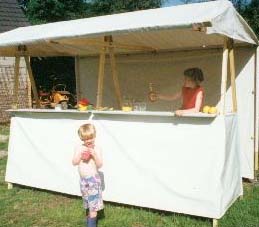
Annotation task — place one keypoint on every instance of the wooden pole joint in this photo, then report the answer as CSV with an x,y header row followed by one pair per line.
x,y
228,56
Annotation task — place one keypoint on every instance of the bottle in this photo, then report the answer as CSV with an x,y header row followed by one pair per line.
x,y
152,95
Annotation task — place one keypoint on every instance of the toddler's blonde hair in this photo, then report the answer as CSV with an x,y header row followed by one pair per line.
x,y
86,131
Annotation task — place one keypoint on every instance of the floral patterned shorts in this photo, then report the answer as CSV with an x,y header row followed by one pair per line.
x,y
91,192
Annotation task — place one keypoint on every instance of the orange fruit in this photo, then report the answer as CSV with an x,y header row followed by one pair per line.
x,y
213,110
206,109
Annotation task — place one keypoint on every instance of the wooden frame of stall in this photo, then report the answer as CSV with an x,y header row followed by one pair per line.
x,y
228,62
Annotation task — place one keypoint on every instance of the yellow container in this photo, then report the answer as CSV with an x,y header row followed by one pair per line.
x,y
126,108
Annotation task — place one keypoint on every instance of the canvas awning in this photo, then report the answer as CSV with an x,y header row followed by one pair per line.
x,y
192,26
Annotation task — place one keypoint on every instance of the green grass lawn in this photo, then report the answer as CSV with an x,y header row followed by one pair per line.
x,y
26,207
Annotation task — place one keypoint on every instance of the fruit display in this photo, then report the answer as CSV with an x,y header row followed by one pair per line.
x,y
83,104
126,108
213,110
209,109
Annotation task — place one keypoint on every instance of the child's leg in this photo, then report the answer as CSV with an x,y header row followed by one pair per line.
x,y
92,214
92,219
95,201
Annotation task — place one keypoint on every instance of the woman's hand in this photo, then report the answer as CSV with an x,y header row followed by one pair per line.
x,y
179,112
153,96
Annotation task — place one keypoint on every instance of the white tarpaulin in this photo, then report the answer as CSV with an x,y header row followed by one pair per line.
x,y
156,29
191,167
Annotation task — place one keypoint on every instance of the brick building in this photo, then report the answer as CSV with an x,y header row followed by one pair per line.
x,y
11,17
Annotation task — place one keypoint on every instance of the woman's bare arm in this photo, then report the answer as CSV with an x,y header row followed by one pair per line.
x,y
173,97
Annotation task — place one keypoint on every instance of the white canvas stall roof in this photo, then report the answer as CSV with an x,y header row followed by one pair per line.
x,y
160,29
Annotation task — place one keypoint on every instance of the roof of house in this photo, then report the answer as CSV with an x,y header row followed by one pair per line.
x,y
11,16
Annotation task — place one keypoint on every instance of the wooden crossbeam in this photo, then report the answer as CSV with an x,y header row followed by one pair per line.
x,y
64,50
93,43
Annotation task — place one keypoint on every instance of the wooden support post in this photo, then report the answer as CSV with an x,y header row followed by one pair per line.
x,y
77,75
34,89
16,81
224,77
29,92
115,74
232,75
215,223
99,97
9,186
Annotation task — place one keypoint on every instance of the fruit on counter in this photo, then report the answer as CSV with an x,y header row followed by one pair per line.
x,y
82,108
86,155
209,109
80,105
212,110
206,109
84,102
90,107
126,108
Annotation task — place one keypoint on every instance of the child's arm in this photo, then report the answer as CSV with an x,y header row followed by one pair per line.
x,y
77,156
170,97
197,107
97,156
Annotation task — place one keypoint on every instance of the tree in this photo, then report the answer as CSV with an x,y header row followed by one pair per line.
x,y
104,7
251,14
39,12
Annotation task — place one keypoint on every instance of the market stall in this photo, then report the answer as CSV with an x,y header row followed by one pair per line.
x,y
194,164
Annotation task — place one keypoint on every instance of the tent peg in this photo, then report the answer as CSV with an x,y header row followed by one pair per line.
x,y
9,186
215,222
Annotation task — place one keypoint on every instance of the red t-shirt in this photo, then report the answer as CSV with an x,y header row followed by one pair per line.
x,y
189,96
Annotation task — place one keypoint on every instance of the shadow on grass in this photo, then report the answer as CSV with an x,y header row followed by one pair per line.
x,y
101,214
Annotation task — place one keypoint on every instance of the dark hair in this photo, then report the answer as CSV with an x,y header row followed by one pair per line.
x,y
195,74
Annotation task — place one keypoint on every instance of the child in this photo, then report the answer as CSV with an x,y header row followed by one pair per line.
x,y
192,93
88,158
